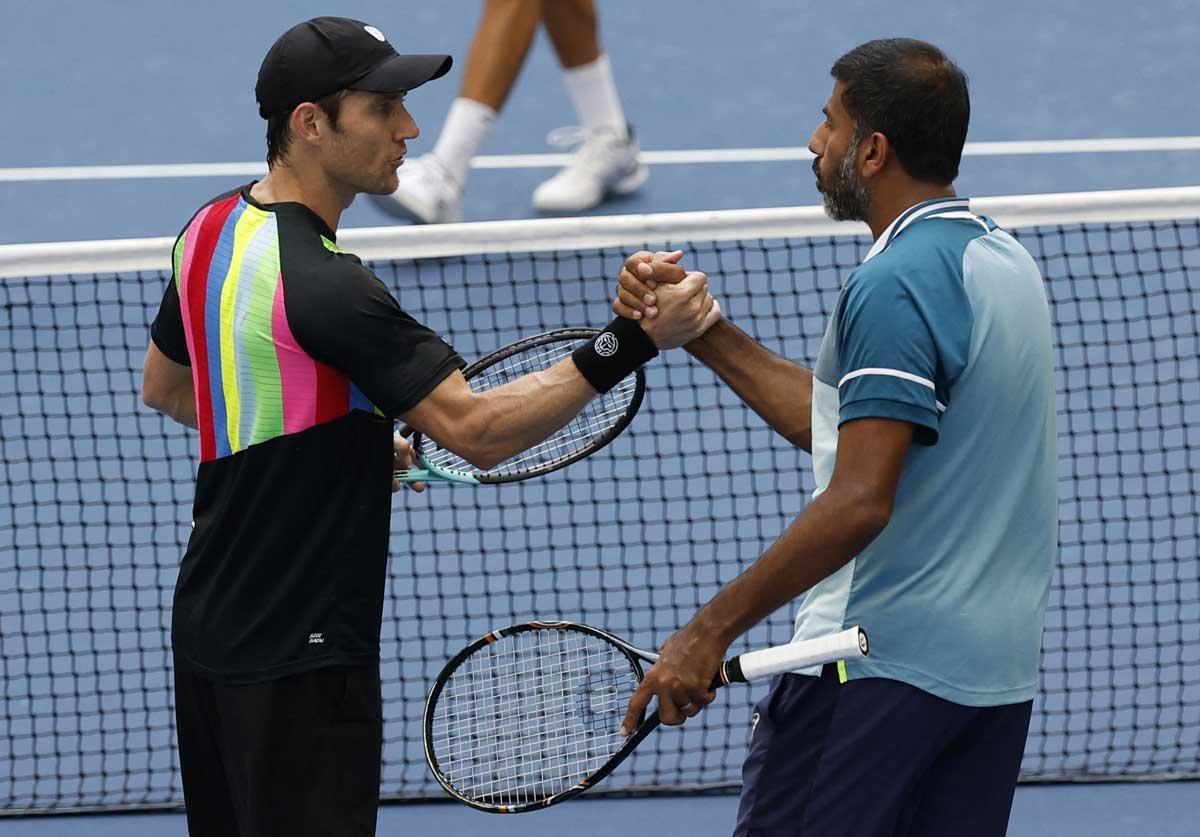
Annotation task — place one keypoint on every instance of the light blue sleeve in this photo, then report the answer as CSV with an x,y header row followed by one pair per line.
x,y
903,339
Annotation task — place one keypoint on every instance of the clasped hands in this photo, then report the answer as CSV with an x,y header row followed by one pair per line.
x,y
672,303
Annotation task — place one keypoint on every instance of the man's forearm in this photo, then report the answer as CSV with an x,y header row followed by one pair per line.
x,y
828,533
526,411
779,390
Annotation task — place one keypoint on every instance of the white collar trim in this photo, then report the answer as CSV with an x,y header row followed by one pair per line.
x,y
914,213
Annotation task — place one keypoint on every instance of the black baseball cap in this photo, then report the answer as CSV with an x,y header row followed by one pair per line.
x,y
328,54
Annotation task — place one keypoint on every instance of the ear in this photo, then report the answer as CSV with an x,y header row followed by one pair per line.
x,y
876,151
307,122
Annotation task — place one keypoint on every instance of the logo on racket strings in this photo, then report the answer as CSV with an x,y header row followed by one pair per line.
x,y
606,344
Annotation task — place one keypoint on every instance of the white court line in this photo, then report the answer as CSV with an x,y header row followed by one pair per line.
x,y
653,158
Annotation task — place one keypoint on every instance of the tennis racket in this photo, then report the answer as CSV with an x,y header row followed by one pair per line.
x,y
601,421
530,716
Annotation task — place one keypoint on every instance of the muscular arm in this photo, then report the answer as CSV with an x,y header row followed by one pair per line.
x,y
830,531
488,427
498,50
777,389
167,387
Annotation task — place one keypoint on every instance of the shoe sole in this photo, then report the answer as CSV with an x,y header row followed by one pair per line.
x,y
627,185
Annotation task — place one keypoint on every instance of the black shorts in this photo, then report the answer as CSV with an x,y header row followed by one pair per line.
x,y
878,758
299,755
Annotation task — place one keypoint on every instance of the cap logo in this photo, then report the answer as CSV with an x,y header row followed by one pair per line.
x,y
374,33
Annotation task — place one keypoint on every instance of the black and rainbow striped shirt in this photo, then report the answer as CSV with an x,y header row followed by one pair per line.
x,y
300,359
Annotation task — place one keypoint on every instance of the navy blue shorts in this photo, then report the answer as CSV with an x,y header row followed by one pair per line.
x,y
877,758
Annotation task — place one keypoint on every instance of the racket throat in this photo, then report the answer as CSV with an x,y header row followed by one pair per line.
x,y
434,474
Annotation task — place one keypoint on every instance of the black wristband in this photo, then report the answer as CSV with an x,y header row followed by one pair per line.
x,y
612,354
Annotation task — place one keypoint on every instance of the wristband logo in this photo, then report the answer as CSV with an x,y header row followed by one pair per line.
x,y
606,344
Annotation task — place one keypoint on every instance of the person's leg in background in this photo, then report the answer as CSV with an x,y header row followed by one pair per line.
x,y
431,186
607,163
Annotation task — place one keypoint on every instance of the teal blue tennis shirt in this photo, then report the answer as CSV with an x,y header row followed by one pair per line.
x,y
945,325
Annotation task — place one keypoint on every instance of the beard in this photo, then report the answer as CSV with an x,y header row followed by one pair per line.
x,y
354,168
846,197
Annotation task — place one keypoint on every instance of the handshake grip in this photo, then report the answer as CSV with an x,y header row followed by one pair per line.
x,y
624,345
673,304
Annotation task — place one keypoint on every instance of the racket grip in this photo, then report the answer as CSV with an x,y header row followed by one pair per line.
x,y
729,672
753,665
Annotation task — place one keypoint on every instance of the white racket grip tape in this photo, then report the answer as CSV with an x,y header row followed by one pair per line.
x,y
753,665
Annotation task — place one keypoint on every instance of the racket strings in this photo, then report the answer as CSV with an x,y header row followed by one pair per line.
x,y
595,421
551,698
548,698
531,715
513,733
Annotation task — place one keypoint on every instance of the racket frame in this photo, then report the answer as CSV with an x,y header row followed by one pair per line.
x,y
759,663
635,656
431,472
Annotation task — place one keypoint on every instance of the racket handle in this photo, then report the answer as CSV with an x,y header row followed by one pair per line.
x,y
753,665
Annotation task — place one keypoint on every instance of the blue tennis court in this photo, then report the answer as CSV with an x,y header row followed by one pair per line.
x,y
1068,811
124,106
131,84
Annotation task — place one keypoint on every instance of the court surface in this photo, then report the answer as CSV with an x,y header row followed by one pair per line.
x,y
1162,810
127,83
105,83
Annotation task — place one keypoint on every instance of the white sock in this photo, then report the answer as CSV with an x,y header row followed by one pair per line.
x,y
594,94
466,127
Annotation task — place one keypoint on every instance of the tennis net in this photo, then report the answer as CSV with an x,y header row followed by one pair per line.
x,y
97,489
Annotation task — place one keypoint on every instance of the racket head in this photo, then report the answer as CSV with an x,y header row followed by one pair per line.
x,y
530,715
601,421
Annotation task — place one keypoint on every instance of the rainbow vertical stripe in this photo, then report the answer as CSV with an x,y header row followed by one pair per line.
x,y
253,380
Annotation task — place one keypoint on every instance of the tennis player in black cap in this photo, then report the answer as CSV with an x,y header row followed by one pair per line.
x,y
336,76
292,359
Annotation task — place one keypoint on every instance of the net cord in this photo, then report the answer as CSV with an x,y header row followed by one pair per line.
x,y
445,240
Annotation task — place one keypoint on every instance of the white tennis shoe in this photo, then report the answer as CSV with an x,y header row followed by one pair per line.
x,y
606,164
427,193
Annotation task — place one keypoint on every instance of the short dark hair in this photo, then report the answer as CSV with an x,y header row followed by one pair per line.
x,y
914,95
279,129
